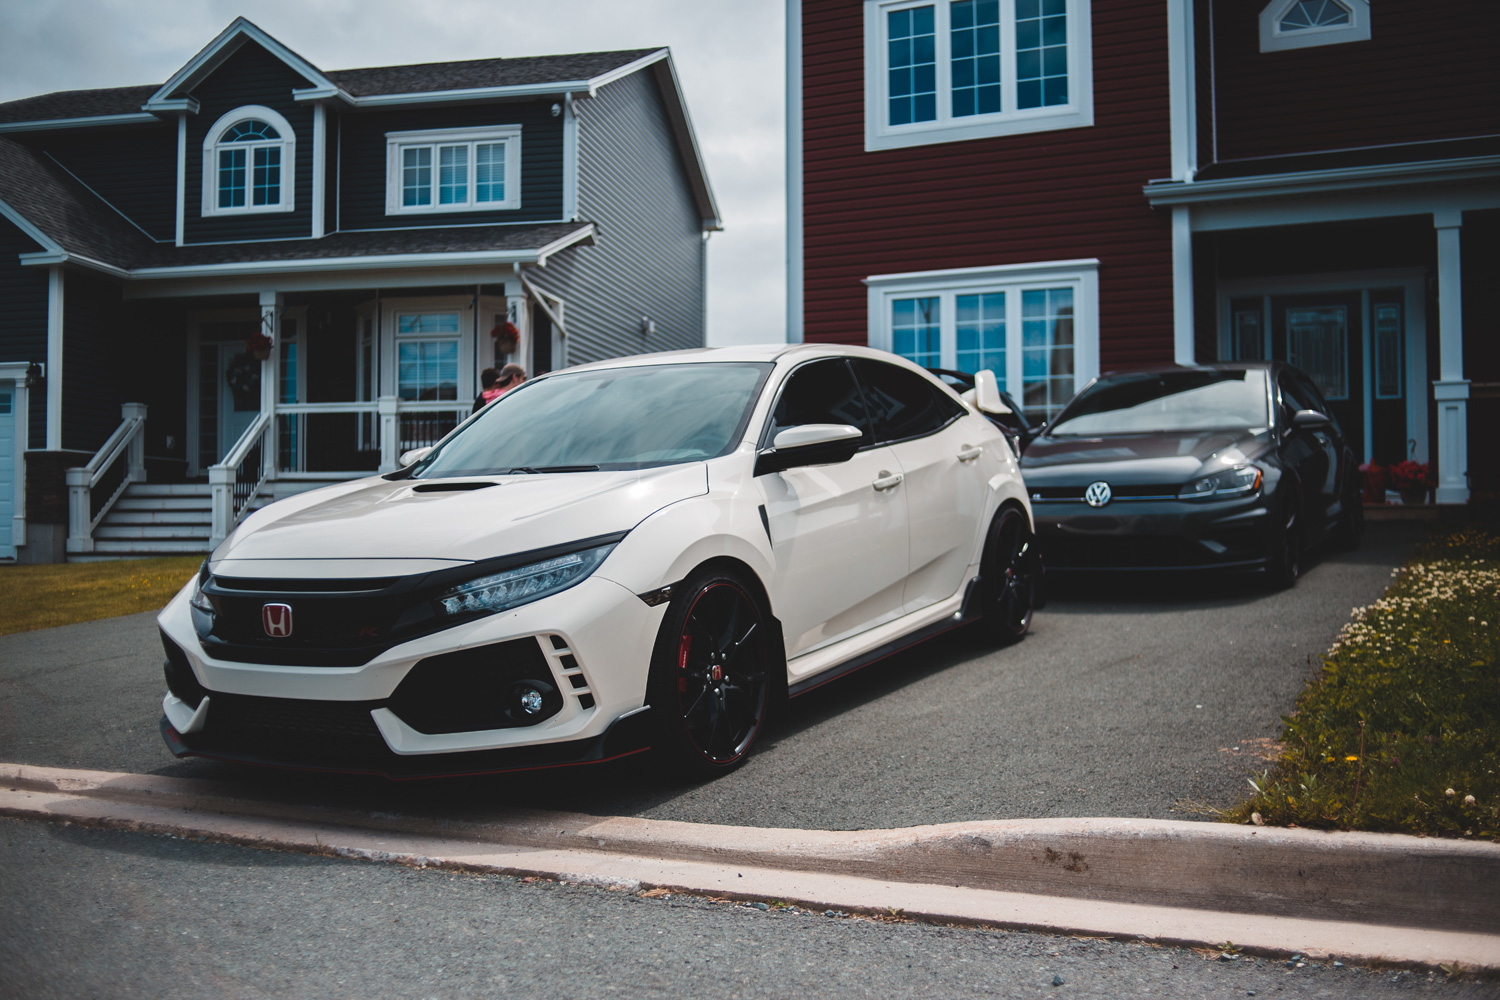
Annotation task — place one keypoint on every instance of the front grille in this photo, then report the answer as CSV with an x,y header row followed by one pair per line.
x,y
289,727
470,690
180,678
1145,491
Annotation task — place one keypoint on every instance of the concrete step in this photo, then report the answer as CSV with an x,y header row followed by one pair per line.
x,y
132,501
133,532
144,547
176,516
169,489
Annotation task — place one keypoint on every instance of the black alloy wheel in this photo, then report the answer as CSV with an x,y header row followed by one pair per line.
x,y
711,673
1284,549
1010,574
1349,529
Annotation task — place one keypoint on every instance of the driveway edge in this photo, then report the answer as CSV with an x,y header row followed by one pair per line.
x,y
1378,898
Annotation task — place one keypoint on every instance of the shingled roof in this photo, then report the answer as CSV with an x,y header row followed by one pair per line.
x,y
64,211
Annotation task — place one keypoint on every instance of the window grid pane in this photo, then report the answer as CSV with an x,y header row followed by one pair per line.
x,y
1314,14
453,175
915,330
979,333
266,182
416,176
1388,349
912,42
1041,53
252,130
489,171
1046,351
975,38
427,369
231,178
418,323
1317,342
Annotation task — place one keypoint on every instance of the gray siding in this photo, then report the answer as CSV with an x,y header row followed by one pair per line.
x,y
648,260
23,317
362,157
134,168
250,76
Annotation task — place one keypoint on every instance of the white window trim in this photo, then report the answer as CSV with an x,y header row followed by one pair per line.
x,y
1080,275
211,148
395,142
1077,113
1273,39
388,338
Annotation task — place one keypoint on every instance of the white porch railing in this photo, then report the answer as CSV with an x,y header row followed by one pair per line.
x,y
94,488
323,441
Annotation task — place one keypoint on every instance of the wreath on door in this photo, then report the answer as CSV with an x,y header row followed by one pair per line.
x,y
243,375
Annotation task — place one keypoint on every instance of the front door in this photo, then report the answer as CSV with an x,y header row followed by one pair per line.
x,y
239,393
1321,334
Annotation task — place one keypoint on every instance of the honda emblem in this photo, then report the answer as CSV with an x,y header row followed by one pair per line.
x,y
276,619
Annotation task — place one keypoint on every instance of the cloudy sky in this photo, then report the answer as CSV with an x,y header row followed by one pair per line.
x,y
729,56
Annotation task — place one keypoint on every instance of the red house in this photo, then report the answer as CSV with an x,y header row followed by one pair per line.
x,y
1055,188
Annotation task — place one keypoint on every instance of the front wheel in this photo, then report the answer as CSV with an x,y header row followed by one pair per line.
x,y
1010,574
710,681
1284,548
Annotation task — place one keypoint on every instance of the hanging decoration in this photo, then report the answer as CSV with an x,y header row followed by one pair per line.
x,y
506,336
243,377
259,345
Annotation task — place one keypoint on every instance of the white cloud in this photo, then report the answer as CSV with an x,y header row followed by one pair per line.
x,y
729,56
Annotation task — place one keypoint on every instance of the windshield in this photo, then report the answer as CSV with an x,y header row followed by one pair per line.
x,y
1167,401
613,418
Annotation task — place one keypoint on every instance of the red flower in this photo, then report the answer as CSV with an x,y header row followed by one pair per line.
x,y
506,329
258,342
1410,475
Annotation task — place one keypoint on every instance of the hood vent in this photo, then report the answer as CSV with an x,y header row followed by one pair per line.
x,y
450,487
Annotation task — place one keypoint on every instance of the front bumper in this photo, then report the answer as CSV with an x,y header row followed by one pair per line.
x,y
1225,535
594,640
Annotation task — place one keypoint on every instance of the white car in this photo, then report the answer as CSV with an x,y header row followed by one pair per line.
x,y
652,552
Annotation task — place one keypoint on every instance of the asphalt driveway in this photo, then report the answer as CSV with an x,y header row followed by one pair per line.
x,y
1132,697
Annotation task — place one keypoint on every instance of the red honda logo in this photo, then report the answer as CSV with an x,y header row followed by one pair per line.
x,y
276,619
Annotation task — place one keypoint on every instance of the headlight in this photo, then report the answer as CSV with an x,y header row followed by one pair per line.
x,y
522,585
1229,483
198,599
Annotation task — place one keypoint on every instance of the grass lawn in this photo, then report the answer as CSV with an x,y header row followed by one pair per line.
x,y
1401,730
33,597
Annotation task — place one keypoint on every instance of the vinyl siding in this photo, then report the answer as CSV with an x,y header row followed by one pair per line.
x,y
1073,193
23,317
250,76
648,260
96,345
133,168
362,156
1427,73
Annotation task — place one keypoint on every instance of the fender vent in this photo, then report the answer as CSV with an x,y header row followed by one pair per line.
x,y
450,487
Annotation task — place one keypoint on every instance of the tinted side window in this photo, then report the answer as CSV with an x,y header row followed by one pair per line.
x,y
1294,397
821,392
1310,391
903,403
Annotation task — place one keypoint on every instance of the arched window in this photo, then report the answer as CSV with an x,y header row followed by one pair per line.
x,y
1300,24
248,163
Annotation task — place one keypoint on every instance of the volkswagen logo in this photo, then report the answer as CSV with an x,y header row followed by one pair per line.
x,y
1097,495
276,619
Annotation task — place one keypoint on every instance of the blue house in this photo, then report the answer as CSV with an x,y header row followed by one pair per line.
x,y
260,276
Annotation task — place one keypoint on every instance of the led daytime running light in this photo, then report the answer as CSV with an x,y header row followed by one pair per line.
x,y
1230,482
522,585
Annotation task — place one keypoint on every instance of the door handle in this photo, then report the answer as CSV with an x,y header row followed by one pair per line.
x,y
970,453
887,480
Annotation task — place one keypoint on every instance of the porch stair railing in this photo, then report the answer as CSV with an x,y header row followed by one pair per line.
x,y
235,481
94,487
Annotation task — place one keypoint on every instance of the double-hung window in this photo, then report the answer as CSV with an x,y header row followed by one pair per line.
x,y
1035,326
248,163
946,70
427,355
453,170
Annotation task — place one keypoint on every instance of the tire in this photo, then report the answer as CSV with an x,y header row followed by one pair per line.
x,y
1284,547
1009,571
1349,529
711,679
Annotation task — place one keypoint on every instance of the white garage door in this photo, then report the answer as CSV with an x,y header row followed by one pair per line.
x,y
8,469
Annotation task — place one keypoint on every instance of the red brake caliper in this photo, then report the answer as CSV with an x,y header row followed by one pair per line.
x,y
683,649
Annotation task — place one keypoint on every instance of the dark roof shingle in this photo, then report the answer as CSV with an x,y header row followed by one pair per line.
x,y
477,73
77,104
69,213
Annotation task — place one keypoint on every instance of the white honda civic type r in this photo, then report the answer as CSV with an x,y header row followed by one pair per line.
x,y
647,553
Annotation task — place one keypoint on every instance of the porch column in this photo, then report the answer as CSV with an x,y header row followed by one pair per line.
x,y
517,313
1184,349
1451,390
390,434
271,306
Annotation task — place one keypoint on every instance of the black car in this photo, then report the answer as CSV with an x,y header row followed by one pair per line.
x,y
1013,423
1232,467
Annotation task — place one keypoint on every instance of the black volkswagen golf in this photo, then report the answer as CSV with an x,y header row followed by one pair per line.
x,y
1236,467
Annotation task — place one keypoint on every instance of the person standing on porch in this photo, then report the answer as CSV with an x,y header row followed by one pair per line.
x,y
488,390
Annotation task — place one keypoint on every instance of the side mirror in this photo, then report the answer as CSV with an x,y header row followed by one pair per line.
x,y
987,393
1311,420
809,444
414,456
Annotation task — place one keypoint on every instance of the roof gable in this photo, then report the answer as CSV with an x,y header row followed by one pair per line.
x,y
176,93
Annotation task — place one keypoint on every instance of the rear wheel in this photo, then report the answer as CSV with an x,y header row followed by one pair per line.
x,y
1349,529
710,680
1009,573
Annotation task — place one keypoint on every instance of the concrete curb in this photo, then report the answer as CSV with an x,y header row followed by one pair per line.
x,y
1367,897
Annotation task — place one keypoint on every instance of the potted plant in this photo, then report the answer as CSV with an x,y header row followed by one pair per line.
x,y
259,346
506,336
1412,480
1373,479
